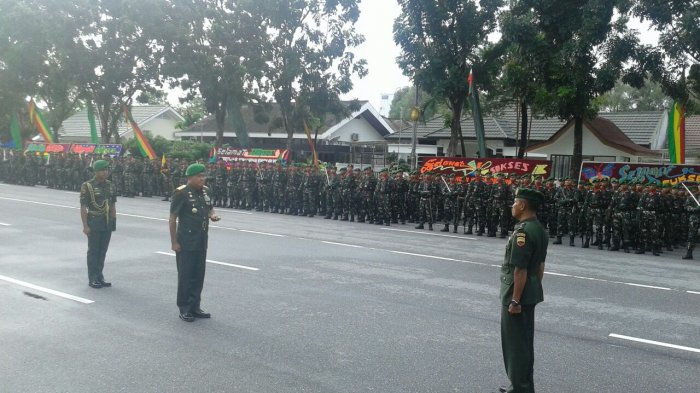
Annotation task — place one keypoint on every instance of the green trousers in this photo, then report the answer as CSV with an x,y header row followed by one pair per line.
x,y
98,242
517,341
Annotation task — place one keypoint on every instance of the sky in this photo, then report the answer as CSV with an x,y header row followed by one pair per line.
x,y
376,24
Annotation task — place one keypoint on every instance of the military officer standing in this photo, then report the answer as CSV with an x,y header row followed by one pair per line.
x,y
99,214
521,290
190,211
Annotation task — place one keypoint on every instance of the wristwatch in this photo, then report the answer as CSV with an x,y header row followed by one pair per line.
x,y
514,302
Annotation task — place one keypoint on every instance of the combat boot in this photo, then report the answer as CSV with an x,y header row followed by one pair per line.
x,y
468,231
596,242
454,230
446,228
387,223
503,235
688,254
600,243
420,226
335,217
430,227
669,248
361,220
615,246
571,241
656,251
379,222
586,243
352,218
558,241
639,251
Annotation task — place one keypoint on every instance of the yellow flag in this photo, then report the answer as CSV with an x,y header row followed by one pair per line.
x,y
162,161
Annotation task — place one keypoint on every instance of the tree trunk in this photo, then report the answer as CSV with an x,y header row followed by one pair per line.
x,y
578,148
455,127
220,115
523,130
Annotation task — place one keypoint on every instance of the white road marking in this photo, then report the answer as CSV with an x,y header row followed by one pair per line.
x,y
646,286
227,210
557,274
440,258
2,224
693,292
262,233
214,262
342,244
658,343
39,203
46,290
144,217
428,233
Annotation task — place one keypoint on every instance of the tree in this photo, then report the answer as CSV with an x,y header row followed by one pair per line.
x,y
590,44
405,99
309,58
525,57
213,49
622,97
678,22
118,59
440,43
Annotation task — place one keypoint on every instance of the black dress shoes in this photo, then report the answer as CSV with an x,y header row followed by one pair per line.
x,y
502,389
95,284
105,283
187,317
200,314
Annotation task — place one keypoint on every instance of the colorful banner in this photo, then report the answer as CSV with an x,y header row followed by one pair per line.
x,y
76,148
252,154
36,147
141,141
462,166
676,133
37,119
644,173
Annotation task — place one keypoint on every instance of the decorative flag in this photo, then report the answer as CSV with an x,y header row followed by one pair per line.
x,y
93,127
311,144
37,119
470,80
163,161
14,131
212,155
141,141
676,133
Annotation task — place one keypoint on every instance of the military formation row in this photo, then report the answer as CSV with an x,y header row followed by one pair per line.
x,y
629,217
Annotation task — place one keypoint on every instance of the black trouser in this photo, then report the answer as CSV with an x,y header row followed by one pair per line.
x,y
517,341
190,279
98,242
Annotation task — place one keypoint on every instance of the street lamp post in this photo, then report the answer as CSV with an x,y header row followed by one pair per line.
x,y
415,116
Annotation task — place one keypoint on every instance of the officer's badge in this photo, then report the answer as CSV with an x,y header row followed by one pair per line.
x,y
520,239
194,210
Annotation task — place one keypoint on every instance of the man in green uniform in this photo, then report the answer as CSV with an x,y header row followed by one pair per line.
x,y
99,214
521,290
190,211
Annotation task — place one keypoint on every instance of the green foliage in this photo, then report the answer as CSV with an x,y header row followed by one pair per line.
x,y
440,43
190,150
405,98
679,24
309,59
622,97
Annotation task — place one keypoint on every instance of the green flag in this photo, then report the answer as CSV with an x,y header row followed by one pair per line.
x,y
14,131
93,127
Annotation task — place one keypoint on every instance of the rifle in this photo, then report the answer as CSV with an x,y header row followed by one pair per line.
x,y
446,185
328,179
691,194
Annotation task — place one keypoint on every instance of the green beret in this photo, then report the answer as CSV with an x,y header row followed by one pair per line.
x,y
500,174
343,170
530,195
194,169
385,170
595,180
100,165
369,168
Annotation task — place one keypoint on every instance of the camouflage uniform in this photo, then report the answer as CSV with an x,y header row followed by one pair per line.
x,y
649,208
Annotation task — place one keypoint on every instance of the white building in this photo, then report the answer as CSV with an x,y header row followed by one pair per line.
x,y
158,120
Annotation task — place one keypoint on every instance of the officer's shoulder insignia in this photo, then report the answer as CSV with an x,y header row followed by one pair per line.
x,y
520,239
182,187
206,188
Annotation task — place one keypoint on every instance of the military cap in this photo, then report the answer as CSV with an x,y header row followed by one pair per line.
x,y
595,180
357,170
453,175
384,170
100,165
369,168
194,169
500,174
343,169
613,180
530,195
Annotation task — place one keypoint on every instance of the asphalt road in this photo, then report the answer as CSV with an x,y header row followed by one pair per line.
x,y
312,305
